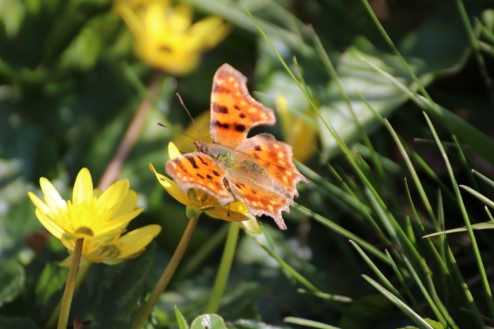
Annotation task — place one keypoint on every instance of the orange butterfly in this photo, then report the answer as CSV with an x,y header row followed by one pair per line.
x,y
257,171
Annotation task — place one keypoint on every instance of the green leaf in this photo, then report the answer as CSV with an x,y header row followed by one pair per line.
x,y
478,226
12,280
17,323
252,324
309,323
434,324
51,280
407,310
182,323
367,311
208,321
109,296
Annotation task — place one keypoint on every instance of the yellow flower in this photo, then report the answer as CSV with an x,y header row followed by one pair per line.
x,y
296,131
165,36
100,218
198,201
198,129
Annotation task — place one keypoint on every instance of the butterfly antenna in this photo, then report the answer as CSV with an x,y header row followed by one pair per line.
x,y
188,113
185,108
176,131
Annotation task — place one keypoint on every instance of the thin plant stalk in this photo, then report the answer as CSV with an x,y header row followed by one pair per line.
x,y
131,135
167,274
80,277
70,284
224,269
113,168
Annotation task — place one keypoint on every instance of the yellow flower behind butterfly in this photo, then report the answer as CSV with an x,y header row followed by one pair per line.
x,y
198,201
99,218
296,131
165,36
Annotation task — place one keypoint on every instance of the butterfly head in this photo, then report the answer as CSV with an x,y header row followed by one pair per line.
x,y
221,154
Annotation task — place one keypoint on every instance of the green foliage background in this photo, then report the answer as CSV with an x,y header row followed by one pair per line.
x,y
70,84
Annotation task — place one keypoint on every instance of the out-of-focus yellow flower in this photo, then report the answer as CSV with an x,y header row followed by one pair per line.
x,y
199,130
100,218
296,131
165,36
198,201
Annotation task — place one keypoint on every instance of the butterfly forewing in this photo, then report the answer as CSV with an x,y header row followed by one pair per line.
x,y
233,110
198,170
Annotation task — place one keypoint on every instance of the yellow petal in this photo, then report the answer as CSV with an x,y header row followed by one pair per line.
x,y
49,224
52,198
128,204
180,18
199,130
211,31
173,151
171,187
116,225
235,212
40,205
153,19
297,131
83,187
281,104
135,241
112,198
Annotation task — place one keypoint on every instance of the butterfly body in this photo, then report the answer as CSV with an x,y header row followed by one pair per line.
x,y
223,155
257,171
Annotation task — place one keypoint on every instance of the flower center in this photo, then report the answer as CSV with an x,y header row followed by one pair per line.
x,y
84,231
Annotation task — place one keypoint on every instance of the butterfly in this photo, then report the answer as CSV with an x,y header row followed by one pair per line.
x,y
257,171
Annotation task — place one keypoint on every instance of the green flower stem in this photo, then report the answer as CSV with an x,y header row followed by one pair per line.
x,y
167,274
80,277
68,293
224,269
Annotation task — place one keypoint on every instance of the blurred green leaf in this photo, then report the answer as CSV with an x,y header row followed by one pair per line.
x,y
252,324
51,280
17,323
208,321
12,278
182,323
308,323
366,312
109,296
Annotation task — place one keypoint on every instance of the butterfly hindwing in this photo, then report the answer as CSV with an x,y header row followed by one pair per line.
x,y
276,159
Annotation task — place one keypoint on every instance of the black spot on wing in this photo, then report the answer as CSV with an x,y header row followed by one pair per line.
x,y
220,89
220,109
192,162
240,127
202,160
221,125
